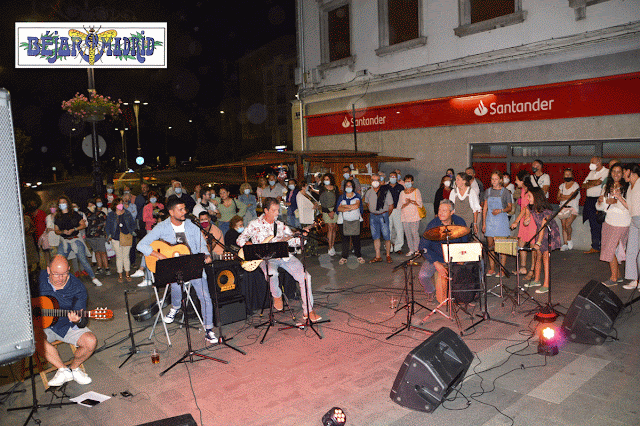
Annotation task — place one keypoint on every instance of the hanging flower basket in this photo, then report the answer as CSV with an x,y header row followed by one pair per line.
x,y
93,108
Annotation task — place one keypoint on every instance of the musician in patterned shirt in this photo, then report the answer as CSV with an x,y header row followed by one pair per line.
x,y
265,226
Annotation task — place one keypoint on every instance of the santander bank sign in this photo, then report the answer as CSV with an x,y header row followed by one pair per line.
x,y
618,94
513,107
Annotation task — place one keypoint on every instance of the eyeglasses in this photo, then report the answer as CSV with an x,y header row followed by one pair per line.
x,y
64,274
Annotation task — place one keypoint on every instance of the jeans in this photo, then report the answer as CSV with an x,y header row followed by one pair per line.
x,y
223,226
633,249
202,290
379,224
65,248
589,212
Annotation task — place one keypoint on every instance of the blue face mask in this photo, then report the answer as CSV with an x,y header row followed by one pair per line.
x,y
272,182
247,191
292,187
407,184
99,205
178,191
393,180
63,206
109,190
348,189
241,229
153,199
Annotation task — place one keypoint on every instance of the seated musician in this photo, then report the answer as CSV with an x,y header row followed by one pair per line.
x,y
177,229
71,294
214,247
265,226
432,250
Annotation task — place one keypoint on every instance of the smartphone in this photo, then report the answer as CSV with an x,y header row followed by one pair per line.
x,y
90,402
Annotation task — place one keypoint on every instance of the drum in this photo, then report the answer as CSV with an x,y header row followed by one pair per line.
x,y
506,245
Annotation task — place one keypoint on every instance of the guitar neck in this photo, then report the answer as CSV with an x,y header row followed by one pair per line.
x,y
63,312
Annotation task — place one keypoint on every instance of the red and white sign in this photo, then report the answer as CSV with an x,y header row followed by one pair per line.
x,y
583,98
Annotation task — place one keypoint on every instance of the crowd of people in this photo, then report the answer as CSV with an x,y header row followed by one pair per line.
x,y
123,225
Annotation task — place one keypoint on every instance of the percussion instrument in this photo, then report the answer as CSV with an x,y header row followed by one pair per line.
x,y
440,233
506,245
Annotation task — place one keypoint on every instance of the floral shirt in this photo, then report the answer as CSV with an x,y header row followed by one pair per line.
x,y
259,230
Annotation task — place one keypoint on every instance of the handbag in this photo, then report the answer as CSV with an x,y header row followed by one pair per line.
x,y
126,240
43,241
351,227
422,212
600,216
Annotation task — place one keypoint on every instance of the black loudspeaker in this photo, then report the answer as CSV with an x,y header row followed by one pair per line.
x,y
431,371
16,324
183,420
224,278
592,314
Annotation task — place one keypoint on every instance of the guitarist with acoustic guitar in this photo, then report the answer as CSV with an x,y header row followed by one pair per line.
x,y
267,228
70,293
177,229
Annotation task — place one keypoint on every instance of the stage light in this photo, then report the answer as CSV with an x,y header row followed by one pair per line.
x,y
334,417
548,342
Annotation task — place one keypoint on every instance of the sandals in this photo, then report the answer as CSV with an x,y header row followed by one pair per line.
x,y
120,280
128,278
376,260
342,261
523,271
389,260
490,273
361,260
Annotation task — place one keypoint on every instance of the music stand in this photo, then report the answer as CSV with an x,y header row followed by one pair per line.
x,y
266,252
180,269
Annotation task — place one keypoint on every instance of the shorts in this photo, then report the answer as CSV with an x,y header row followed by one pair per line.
x,y
379,224
327,219
97,244
72,336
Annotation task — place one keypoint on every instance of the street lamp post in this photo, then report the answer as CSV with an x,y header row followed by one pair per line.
x,y
125,164
136,111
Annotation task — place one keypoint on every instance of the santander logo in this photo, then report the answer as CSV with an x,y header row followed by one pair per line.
x,y
513,107
364,121
480,110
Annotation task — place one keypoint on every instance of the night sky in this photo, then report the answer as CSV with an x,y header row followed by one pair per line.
x,y
202,35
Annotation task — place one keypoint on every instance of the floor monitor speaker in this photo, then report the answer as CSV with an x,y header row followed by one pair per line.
x,y
591,316
431,371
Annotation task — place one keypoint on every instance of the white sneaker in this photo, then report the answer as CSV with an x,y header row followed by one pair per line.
x,y
564,247
63,375
80,376
210,337
633,284
331,252
570,245
96,282
171,315
137,274
144,283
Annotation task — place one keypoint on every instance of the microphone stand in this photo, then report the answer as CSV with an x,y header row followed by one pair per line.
x,y
210,242
546,312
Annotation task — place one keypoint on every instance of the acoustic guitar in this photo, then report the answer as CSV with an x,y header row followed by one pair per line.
x,y
46,312
174,250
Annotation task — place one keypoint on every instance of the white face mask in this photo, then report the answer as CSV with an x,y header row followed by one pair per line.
x,y
247,191
346,175
506,180
447,183
393,181
348,189
327,182
408,184
292,187
375,183
592,167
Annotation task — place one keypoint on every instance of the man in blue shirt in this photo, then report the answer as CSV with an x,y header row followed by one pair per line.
x,y
178,229
432,250
70,294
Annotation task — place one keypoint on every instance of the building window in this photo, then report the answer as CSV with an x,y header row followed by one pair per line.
x,y
335,33
399,25
485,15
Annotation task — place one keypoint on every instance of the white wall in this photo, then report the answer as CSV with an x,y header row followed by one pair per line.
x,y
546,20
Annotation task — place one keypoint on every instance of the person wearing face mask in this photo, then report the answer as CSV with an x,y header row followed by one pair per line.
x,y
273,189
96,236
443,192
593,184
506,182
68,225
216,249
109,196
120,225
395,220
379,202
497,202
184,198
538,178
250,201
569,213
350,208
307,208
347,176
236,226
450,173
410,201
328,197
228,207
292,203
